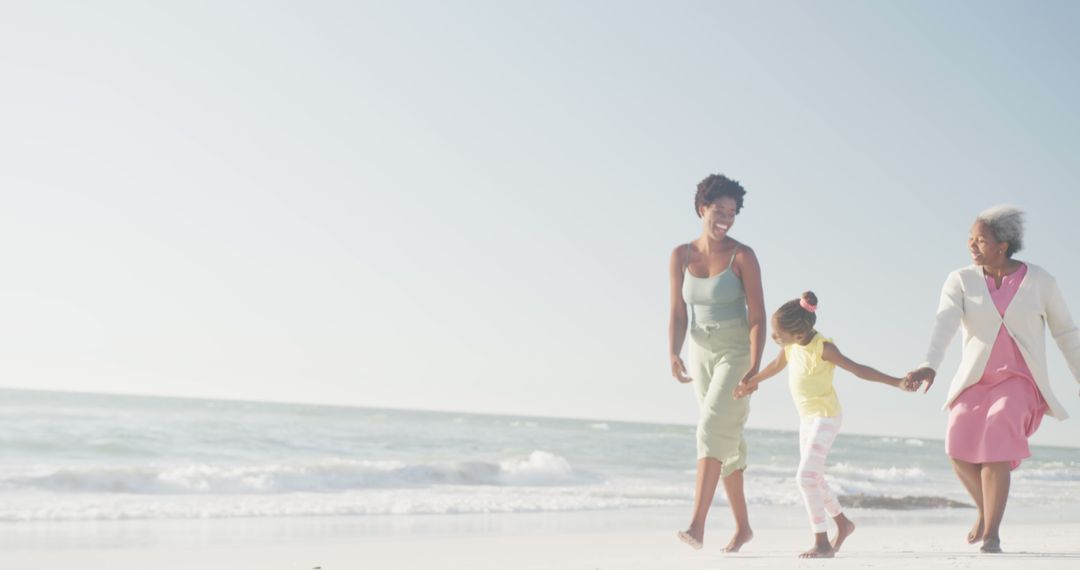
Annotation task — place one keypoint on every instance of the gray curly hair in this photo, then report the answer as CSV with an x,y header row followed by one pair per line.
x,y
1007,223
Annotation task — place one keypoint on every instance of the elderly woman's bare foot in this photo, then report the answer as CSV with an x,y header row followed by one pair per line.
x,y
976,533
844,528
991,545
741,537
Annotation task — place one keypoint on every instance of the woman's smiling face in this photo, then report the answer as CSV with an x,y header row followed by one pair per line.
x,y
984,247
718,217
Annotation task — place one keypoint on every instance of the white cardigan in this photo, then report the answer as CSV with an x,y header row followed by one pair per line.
x,y
965,299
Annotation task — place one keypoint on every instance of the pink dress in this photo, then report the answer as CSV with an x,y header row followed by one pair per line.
x,y
992,420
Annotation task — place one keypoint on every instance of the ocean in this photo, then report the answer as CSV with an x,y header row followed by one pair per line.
x,y
92,457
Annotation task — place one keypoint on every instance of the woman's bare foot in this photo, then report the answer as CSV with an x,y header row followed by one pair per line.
x,y
991,545
976,533
844,528
741,537
695,538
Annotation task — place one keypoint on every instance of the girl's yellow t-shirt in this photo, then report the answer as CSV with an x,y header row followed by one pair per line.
x,y
810,378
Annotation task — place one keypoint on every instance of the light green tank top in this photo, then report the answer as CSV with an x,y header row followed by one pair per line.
x,y
716,298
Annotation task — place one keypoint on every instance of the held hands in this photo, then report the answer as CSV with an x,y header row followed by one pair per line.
x,y
916,378
746,386
744,389
678,370
906,384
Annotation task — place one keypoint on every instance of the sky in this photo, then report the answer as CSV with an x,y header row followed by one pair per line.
x,y
470,206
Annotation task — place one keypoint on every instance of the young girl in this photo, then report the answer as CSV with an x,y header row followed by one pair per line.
x,y
813,359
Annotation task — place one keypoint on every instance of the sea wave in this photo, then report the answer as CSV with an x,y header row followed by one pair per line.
x,y
891,474
393,502
851,472
539,468
1048,473
438,500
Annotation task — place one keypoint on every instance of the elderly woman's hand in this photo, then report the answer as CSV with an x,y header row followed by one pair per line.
x,y
908,385
920,376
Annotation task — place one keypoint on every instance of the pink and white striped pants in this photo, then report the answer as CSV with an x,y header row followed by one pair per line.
x,y
816,436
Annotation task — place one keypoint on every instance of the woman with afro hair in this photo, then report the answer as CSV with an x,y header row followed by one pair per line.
x,y
716,296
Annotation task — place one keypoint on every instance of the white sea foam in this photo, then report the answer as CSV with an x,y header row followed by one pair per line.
x,y
450,500
1047,474
540,468
27,505
893,474
95,457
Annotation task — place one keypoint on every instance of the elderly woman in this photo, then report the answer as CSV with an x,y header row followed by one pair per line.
x,y
1001,391
719,280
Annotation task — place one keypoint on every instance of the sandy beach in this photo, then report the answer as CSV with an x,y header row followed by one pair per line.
x,y
598,540
1029,546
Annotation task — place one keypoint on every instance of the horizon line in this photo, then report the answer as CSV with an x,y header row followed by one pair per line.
x,y
427,410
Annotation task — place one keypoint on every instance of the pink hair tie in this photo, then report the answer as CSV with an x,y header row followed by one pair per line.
x,y
804,304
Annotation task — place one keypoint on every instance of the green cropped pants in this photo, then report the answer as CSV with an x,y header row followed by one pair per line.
x,y
719,357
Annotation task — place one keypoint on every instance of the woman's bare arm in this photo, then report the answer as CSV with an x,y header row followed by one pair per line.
x,y
750,272
678,318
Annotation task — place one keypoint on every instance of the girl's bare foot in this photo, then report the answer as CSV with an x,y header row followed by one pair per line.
x,y
991,545
741,537
821,549
695,538
976,533
844,528
818,552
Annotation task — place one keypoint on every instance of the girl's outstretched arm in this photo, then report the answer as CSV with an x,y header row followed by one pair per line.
x,y
832,354
749,385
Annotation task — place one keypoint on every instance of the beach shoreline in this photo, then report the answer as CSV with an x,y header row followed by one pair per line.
x,y
600,539
111,482
872,546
